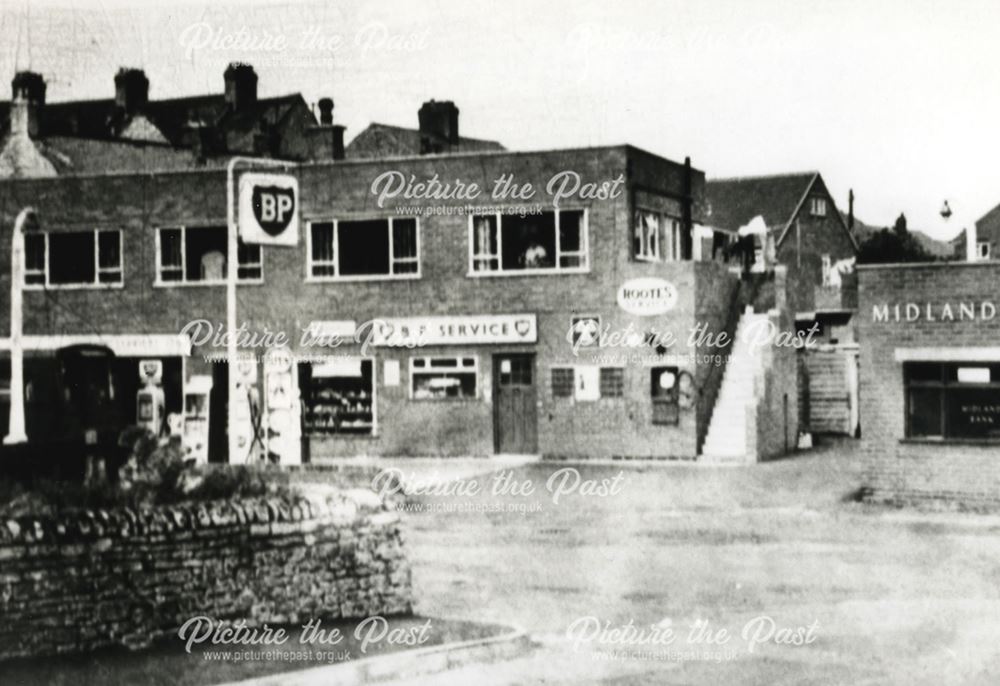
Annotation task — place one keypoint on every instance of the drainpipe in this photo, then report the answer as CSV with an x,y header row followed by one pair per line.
x,y
15,427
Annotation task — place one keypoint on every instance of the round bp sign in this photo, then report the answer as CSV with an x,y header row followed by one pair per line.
x,y
269,209
647,296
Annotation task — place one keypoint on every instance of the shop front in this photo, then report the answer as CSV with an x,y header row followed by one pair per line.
x,y
930,381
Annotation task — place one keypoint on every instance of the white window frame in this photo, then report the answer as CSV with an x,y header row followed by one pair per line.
x,y
578,375
817,206
980,252
673,238
457,369
185,282
647,255
335,263
583,253
826,265
46,272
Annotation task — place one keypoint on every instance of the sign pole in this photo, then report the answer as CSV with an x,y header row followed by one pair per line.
x,y
232,270
15,426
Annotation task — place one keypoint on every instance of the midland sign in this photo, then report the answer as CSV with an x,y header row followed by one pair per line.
x,y
269,209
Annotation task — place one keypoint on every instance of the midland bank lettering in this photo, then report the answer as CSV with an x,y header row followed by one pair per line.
x,y
983,311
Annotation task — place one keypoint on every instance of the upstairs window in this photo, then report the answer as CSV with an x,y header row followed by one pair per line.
x,y
817,207
73,258
197,254
983,250
546,242
826,266
655,237
361,249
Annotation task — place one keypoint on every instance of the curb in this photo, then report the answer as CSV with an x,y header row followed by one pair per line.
x,y
406,664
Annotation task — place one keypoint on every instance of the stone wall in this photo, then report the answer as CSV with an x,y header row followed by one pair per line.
x,y
127,577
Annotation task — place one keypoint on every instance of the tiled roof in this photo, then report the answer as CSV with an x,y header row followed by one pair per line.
x,y
383,140
734,202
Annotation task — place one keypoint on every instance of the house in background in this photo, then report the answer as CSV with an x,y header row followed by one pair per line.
x,y
805,232
437,134
131,132
987,235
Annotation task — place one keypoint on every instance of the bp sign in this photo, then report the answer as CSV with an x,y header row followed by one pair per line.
x,y
269,209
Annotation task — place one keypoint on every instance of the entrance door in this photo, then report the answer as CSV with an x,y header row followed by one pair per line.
x,y
515,420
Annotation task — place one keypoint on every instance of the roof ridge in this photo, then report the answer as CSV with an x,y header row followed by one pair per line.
x,y
764,177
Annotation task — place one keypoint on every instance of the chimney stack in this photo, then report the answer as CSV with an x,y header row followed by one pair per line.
x,y
850,211
131,90
29,87
438,125
329,137
241,86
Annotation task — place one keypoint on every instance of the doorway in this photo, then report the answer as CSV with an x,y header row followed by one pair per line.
x,y
515,413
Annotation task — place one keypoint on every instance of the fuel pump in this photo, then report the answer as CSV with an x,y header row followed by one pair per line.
x,y
149,402
197,393
283,410
248,412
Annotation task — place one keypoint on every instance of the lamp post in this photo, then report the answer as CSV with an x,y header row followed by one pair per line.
x,y
232,270
15,427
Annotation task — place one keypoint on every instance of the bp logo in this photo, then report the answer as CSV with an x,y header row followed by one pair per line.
x,y
273,208
269,209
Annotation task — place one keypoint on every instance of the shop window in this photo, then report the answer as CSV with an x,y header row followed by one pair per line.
x,y
562,382
612,382
338,396
443,378
817,207
197,254
368,248
548,241
663,390
952,400
73,258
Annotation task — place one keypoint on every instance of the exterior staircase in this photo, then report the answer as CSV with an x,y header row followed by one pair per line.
x,y
736,404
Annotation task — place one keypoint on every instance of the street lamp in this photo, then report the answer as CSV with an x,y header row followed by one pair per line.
x,y
15,427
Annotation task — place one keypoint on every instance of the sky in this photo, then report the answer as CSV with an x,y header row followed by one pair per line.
x,y
899,100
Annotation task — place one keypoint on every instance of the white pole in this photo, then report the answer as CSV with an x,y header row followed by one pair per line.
x,y
15,427
232,270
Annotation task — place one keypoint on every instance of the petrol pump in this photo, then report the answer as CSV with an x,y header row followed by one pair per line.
x,y
248,429
150,402
283,410
197,393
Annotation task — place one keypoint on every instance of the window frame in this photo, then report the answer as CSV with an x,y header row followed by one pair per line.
x,y
583,253
574,371
459,368
335,262
184,282
944,385
654,255
980,253
818,206
46,271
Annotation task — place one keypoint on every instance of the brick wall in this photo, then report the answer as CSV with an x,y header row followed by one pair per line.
x,y
908,470
125,577
287,301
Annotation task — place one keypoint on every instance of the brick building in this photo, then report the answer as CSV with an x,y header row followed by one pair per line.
x,y
930,380
506,298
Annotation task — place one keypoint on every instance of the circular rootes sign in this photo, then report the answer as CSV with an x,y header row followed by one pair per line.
x,y
647,296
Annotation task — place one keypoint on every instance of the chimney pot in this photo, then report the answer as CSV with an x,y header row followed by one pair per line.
x,y
30,87
438,125
131,89
241,86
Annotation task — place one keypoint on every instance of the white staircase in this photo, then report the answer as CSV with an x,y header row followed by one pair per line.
x,y
726,440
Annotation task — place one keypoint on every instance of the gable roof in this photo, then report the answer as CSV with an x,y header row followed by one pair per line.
x,y
779,198
989,225
385,140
